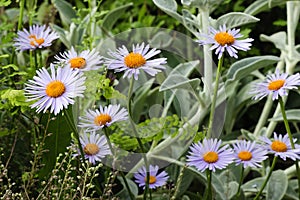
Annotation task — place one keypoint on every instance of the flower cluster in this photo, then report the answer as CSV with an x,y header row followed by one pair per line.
x,y
56,89
211,155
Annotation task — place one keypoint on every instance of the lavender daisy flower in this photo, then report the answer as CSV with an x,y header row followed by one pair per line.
x,y
105,116
135,61
226,40
276,84
54,90
85,61
156,179
249,154
94,146
36,37
209,155
281,146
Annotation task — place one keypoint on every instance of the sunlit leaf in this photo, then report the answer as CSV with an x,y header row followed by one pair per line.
x,y
244,67
236,19
277,185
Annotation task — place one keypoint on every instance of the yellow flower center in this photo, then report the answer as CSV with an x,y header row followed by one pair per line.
x,y
55,89
276,85
134,60
245,155
278,146
102,119
91,149
224,38
152,179
35,41
210,157
77,62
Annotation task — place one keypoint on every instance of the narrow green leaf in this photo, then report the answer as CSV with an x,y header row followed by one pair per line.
x,y
65,11
277,185
179,82
259,6
292,115
111,18
57,142
244,67
235,19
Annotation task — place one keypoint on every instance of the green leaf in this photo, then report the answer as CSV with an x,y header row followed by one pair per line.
x,y
278,39
59,139
181,71
254,185
235,19
5,3
11,66
291,192
179,82
169,7
292,115
244,67
140,99
111,18
14,97
277,185
65,10
124,194
259,6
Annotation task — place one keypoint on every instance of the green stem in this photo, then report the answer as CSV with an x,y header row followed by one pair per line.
x,y
20,22
267,179
35,60
287,127
138,138
214,100
238,193
73,128
208,192
106,133
127,186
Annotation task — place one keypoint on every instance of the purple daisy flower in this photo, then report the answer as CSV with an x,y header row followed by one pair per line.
x,y
209,155
276,84
223,39
281,146
85,61
54,90
36,37
105,116
94,146
156,179
133,62
249,154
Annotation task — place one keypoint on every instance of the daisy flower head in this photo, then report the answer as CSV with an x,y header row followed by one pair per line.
x,y
281,146
95,147
276,84
54,90
139,59
85,61
104,116
228,40
249,154
155,180
209,155
37,37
